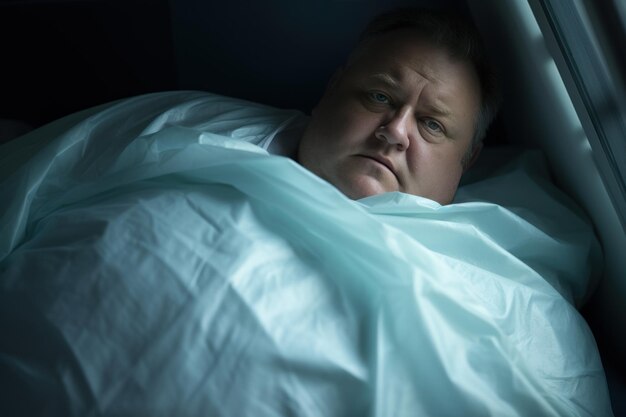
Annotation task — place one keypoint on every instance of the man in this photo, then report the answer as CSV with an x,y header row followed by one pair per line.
x,y
408,111
155,260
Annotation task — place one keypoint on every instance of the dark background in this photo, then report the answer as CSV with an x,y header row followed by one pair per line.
x,y
62,56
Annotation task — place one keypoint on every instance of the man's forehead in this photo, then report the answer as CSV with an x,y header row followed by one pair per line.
x,y
394,52
400,54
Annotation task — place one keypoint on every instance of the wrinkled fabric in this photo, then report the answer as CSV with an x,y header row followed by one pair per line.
x,y
157,261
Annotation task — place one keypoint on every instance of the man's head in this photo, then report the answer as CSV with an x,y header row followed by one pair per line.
x,y
406,113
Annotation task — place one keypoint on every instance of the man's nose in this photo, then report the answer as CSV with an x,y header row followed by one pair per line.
x,y
396,130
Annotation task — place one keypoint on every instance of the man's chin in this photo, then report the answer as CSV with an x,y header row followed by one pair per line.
x,y
363,187
369,187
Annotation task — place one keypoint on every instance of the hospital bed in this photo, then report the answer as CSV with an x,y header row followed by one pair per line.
x,y
98,347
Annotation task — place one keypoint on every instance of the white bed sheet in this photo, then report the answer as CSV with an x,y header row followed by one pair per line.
x,y
153,265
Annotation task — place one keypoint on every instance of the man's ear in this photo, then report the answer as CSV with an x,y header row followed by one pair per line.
x,y
472,159
330,85
333,79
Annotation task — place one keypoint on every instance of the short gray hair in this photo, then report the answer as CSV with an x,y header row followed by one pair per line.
x,y
458,35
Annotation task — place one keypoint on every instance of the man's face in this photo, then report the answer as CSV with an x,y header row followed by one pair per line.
x,y
399,117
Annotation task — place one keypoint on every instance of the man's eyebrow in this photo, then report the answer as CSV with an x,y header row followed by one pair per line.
x,y
434,108
386,79
438,109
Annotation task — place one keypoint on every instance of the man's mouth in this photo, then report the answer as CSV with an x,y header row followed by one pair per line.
x,y
384,162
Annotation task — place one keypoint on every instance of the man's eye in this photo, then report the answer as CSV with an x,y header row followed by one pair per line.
x,y
379,97
433,126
